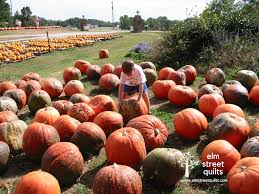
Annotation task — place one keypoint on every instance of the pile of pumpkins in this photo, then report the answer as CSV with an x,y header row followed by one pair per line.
x,y
28,27
64,131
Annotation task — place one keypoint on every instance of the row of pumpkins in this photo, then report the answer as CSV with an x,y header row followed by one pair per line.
x,y
92,123
18,51
28,27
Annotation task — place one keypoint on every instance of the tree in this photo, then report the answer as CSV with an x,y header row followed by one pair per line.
x,y
125,22
26,18
4,12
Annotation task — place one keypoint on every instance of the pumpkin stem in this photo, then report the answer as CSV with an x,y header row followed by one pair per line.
x,y
124,132
157,132
115,166
243,168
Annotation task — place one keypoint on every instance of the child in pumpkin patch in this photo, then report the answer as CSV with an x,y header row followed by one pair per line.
x,y
133,80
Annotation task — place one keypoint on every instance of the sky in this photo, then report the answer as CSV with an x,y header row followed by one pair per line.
x,y
101,9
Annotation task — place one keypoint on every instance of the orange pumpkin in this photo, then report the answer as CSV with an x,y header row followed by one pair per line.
x,y
255,129
7,116
66,126
243,177
103,53
236,94
178,77
163,73
20,82
31,76
46,115
102,103
78,98
82,65
52,86
190,73
181,95
18,95
190,123
82,112
109,82
71,73
107,68
228,108
30,87
209,102
215,76
161,88
62,106
126,146
254,96
93,72
117,71
208,89
6,85
37,182
73,87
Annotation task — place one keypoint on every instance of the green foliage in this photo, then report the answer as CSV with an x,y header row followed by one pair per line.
x,y
25,16
135,56
161,23
4,13
125,22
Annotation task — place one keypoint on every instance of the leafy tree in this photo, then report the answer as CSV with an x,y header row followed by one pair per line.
x,y
125,22
4,12
26,16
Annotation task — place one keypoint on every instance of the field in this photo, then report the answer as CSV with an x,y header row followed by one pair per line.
x,y
53,64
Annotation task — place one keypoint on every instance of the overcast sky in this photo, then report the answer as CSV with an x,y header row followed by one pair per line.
x,y
101,9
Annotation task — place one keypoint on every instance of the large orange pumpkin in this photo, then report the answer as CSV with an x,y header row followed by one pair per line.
x,y
190,123
78,98
82,65
30,86
38,99
126,146
20,82
64,161
208,89
161,88
254,96
243,177
71,73
215,76
153,130
255,129
37,138
220,153
89,138
102,103
103,53
109,121
52,86
230,82
109,82
236,94
229,127
163,73
46,115
117,71
82,112
178,77
18,95
66,126
107,68
7,116
37,182
190,73
73,87
93,72
6,85
119,179
62,106
31,76
181,95
228,108
209,102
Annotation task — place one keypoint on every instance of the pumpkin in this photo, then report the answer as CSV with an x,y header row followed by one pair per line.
x,y
103,53
230,82
109,82
12,133
129,111
162,166
228,108
229,127
93,72
215,76
236,94
37,182
209,102
89,138
6,85
190,123
119,179
243,177
82,65
254,96
151,76
247,78
82,112
64,161
102,103
52,86
117,71
255,129
7,116
181,95
38,99
30,86
250,148
161,88
208,89
107,68
46,115
18,95
37,138
8,104
73,87
31,76
109,121
220,153
78,98
62,106
190,73
20,82
66,126
152,129
71,73
4,155
163,73
148,65
178,77
126,146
